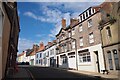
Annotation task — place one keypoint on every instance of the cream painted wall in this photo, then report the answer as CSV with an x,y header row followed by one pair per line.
x,y
91,66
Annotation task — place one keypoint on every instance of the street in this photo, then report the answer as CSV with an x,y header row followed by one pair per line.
x,y
37,73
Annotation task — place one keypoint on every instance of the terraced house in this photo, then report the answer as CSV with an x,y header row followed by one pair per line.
x,y
39,54
110,28
49,54
79,45
66,45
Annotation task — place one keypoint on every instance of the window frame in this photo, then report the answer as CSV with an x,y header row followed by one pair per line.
x,y
81,42
80,28
91,38
90,23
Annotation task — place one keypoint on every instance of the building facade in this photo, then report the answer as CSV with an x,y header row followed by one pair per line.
x,y
66,46
39,54
9,33
110,27
90,54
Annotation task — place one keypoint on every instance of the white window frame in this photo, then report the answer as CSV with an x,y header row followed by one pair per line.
x,y
73,44
69,34
81,41
91,38
80,28
90,23
84,55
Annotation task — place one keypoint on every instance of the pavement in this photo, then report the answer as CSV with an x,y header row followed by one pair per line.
x,y
106,76
24,74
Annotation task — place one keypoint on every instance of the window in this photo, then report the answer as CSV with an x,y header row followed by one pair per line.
x,y
90,23
65,48
73,44
116,59
69,34
83,16
84,57
110,60
39,61
64,59
69,47
81,41
89,11
50,52
91,38
73,31
108,31
40,55
37,56
36,61
80,28
86,14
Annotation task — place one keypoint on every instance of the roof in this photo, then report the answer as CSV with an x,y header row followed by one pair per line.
x,y
28,51
60,31
21,54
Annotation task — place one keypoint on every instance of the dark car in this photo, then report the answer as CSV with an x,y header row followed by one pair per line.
x,y
27,63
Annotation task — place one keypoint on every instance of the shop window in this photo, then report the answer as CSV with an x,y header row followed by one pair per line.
x,y
84,57
110,60
115,54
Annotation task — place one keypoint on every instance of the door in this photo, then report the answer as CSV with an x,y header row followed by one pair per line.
x,y
97,61
57,61
72,61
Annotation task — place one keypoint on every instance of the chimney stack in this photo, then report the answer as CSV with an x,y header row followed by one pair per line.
x,y
63,23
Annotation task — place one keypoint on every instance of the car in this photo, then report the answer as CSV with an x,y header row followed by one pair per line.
x,y
27,63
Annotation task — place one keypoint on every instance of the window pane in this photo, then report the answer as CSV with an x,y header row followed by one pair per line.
x,y
110,61
116,59
88,59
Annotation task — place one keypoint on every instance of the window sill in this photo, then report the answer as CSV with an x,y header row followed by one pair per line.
x,y
85,64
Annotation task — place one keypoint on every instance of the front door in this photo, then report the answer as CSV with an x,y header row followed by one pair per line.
x,y
57,61
97,61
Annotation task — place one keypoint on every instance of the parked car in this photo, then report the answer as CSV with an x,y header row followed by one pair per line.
x,y
27,63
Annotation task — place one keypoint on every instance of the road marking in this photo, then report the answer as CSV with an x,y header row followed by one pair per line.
x,y
30,74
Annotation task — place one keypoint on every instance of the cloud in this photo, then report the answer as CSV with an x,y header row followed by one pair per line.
x,y
39,35
54,12
24,44
30,14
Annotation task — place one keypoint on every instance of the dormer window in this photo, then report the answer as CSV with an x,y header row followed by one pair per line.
x,y
86,14
90,12
83,16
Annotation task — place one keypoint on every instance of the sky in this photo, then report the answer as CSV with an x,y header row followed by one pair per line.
x,y
41,21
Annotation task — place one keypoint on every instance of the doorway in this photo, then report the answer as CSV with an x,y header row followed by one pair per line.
x,y
57,61
97,61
